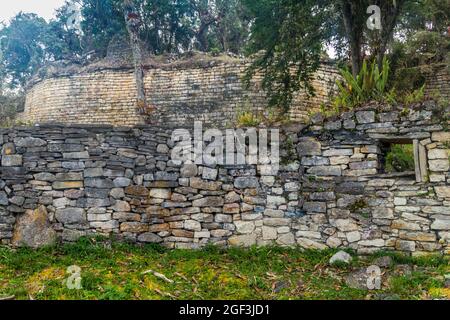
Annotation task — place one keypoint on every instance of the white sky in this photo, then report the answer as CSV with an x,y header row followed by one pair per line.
x,y
44,8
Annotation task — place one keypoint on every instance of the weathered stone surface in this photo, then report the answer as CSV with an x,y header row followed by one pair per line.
x,y
14,160
70,176
439,165
440,136
242,240
45,176
160,193
63,185
309,147
326,171
71,215
76,155
121,182
209,202
246,182
320,207
209,173
99,183
205,185
310,244
442,191
149,238
30,142
134,227
365,117
33,229
137,191
341,257
244,227
189,171
438,154
441,224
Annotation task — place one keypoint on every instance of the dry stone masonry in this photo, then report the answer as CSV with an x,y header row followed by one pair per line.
x,y
64,182
210,90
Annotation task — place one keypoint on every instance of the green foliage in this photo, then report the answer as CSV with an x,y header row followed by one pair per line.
x,y
371,84
416,96
400,158
111,270
248,119
288,38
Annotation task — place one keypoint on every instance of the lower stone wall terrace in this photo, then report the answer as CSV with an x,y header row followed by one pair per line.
x,y
64,182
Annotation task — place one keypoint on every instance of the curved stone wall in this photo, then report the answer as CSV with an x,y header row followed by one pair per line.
x,y
181,93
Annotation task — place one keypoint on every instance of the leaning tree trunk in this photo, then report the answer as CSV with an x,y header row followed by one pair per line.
x,y
132,20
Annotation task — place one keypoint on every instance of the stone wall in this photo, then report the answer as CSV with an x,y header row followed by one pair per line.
x,y
181,92
72,181
438,81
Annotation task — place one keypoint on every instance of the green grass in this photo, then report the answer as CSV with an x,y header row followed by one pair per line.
x,y
112,271
400,158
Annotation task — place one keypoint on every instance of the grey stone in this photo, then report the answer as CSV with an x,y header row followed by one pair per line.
x,y
189,171
309,147
99,183
209,173
3,198
384,262
30,142
93,173
76,155
342,257
71,215
45,176
71,176
320,207
149,237
246,182
122,182
326,171
166,176
14,160
315,161
365,116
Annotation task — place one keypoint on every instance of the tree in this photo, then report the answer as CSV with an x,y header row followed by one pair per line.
x,y
24,43
133,23
288,37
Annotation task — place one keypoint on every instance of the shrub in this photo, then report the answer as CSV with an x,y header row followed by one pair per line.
x,y
371,84
400,158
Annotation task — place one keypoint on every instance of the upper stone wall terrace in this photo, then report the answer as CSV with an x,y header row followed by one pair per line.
x,y
199,88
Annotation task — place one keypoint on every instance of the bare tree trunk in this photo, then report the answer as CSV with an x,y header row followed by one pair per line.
x,y
389,15
354,31
132,20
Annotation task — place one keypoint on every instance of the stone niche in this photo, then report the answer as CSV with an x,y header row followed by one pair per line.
x,y
330,192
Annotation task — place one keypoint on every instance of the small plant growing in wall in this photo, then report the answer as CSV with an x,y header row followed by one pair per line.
x,y
289,153
359,207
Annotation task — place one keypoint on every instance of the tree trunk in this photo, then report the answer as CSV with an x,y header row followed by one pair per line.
x,y
389,17
132,20
354,31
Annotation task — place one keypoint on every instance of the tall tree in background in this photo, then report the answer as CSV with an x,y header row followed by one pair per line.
x,y
133,23
288,38
26,43
359,37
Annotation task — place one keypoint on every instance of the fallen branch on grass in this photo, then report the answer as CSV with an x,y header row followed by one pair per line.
x,y
158,275
7,298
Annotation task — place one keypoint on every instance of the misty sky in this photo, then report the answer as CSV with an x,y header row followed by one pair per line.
x,y
44,8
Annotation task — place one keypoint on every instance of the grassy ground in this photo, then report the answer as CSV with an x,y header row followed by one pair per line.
x,y
117,271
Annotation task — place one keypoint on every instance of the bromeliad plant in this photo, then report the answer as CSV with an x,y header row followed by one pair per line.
x,y
371,84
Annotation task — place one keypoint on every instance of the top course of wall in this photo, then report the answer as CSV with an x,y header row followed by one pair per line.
x,y
196,87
